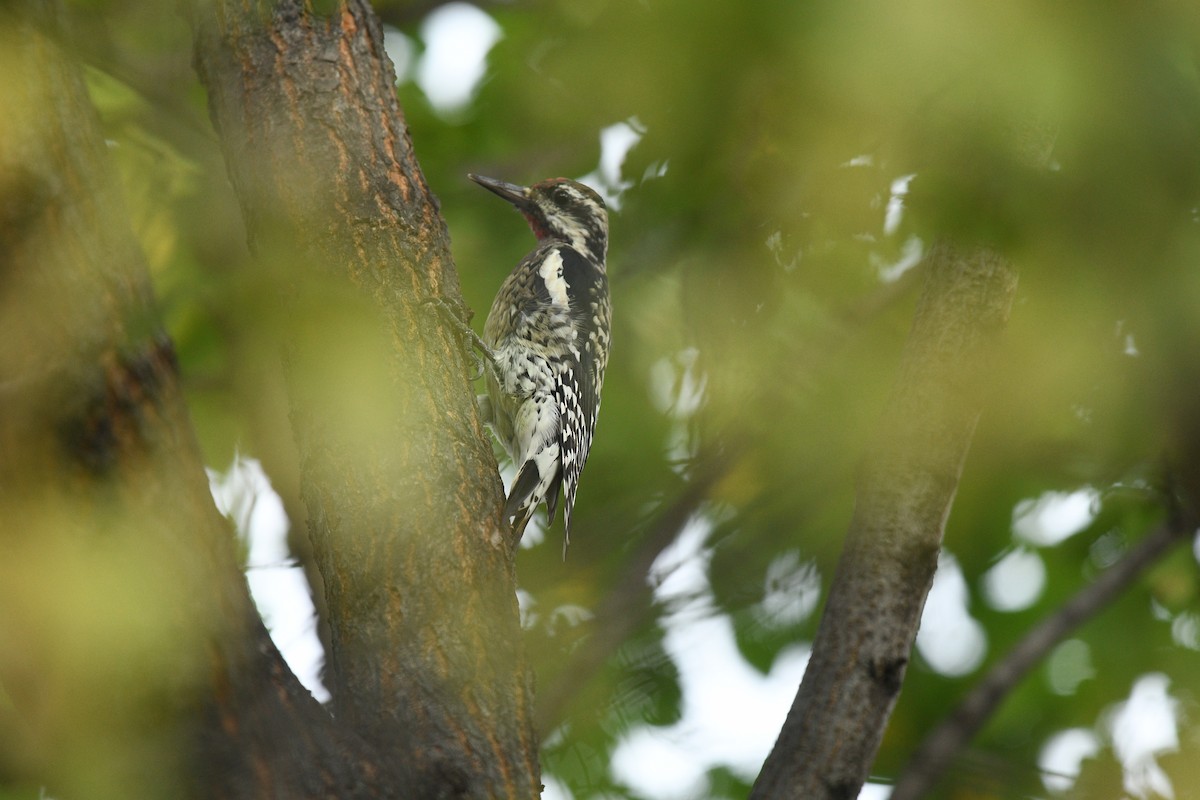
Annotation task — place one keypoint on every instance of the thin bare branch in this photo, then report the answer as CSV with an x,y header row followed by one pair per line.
x,y
944,743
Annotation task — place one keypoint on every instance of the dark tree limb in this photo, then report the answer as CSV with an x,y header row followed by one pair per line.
x,y
397,474
905,488
943,743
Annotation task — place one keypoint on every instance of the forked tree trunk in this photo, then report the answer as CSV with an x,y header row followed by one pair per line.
x,y
128,643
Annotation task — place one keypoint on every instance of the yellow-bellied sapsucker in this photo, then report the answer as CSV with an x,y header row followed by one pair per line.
x,y
548,336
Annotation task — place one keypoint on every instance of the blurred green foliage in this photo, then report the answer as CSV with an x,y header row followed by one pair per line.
x,y
748,256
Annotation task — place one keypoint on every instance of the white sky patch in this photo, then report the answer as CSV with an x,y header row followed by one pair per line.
x,y
1062,756
1142,728
680,571
401,50
655,765
913,249
911,253
950,639
875,791
676,384
791,591
894,212
527,609
1129,345
278,586
677,389
1016,581
1185,630
554,789
656,169
731,713
1069,665
615,143
662,384
692,383
1130,348
458,37
1055,516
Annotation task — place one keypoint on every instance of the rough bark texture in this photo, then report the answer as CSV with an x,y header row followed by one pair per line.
x,y
128,643
129,647
398,476
905,488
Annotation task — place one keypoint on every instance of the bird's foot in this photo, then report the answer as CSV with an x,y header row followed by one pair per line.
x,y
459,316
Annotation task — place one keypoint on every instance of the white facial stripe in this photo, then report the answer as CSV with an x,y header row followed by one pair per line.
x,y
575,231
558,223
552,275
576,234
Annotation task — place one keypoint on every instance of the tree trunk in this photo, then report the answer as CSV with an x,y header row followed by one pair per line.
x,y
128,643
129,647
398,477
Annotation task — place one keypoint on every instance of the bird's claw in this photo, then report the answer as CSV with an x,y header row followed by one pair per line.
x,y
480,353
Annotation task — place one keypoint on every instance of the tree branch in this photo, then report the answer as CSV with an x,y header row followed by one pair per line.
x,y
945,741
905,488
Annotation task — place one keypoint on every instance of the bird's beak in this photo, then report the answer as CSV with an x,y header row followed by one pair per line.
x,y
517,195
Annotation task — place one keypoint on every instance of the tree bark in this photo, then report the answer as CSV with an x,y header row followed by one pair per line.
x,y
128,643
398,477
129,647
905,489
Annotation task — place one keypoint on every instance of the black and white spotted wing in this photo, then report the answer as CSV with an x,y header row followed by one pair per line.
x,y
578,383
